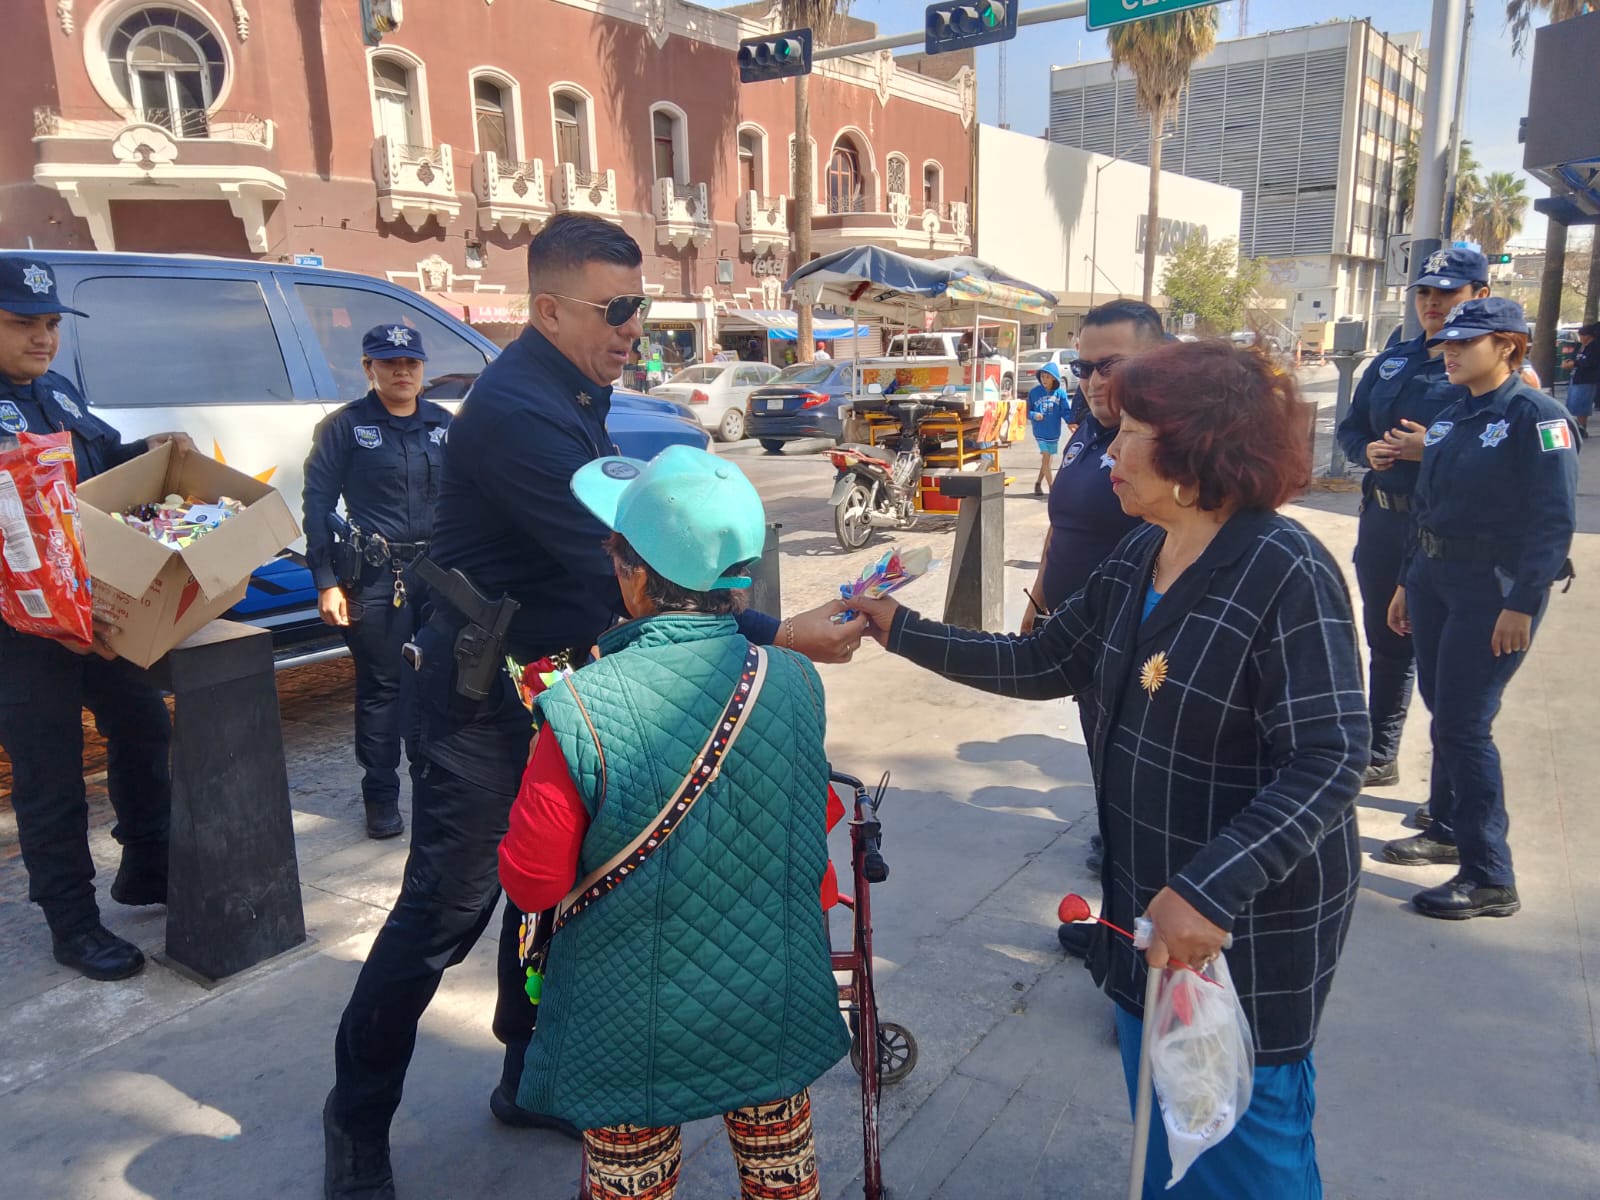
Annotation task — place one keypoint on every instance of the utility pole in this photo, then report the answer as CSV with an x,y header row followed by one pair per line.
x,y
1452,193
1433,154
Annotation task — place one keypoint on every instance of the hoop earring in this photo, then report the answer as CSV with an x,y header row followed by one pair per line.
x,y
1177,496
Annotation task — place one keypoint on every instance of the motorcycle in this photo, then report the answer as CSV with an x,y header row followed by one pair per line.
x,y
876,489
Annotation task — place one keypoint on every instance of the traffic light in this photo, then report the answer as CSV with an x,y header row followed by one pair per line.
x,y
776,56
959,26
379,17
1501,258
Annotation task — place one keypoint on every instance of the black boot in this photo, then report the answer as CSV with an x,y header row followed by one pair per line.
x,y
141,876
1461,899
98,953
503,1100
1076,937
384,820
354,1168
1420,850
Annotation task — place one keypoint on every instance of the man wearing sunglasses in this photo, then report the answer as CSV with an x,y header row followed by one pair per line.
x,y
507,519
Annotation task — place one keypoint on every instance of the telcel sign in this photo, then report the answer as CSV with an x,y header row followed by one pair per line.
x,y
1105,13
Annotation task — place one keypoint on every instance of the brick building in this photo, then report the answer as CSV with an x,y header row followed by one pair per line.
x,y
267,129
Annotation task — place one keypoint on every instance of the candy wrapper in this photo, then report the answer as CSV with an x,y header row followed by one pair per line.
x,y
177,521
889,574
44,582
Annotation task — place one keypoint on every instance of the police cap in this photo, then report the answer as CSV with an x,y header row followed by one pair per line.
x,y
1452,267
393,341
28,287
1474,318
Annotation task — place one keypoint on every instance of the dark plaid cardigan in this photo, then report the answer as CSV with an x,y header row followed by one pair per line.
x,y
1231,732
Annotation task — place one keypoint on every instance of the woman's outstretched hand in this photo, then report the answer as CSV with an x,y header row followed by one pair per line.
x,y
1182,934
881,614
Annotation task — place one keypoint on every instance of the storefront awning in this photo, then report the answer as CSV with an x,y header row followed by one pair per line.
x,y
483,308
782,324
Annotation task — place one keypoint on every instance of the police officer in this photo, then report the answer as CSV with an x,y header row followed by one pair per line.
x,y
1495,509
45,685
1399,396
508,522
383,454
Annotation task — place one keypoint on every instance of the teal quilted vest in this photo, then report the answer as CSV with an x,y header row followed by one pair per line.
x,y
701,983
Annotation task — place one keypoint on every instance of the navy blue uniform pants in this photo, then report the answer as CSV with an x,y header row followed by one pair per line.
x,y
459,813
385,700
1380,554
44,689
1453,608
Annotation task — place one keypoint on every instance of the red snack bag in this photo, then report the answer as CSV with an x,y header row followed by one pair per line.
x,y
44,581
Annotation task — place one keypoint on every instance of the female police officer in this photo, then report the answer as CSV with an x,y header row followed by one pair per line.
x,y
1496,509
383,454
45,685
1399,397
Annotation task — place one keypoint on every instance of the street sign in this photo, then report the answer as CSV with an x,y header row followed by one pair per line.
x,y
1397,262
308,260
1188,320
1105,13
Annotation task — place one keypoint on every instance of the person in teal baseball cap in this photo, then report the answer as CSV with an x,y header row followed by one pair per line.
x,y
692,517
673,813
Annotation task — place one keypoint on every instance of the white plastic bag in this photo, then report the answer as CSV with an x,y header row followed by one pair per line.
x,y
1202,1060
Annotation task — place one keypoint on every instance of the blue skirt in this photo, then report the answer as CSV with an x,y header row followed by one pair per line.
x,y
1270,1155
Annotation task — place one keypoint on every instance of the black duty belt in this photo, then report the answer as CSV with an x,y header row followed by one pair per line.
x,y
1462,550
1399,502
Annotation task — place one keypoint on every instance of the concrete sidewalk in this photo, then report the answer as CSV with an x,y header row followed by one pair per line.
x,y
1455,1059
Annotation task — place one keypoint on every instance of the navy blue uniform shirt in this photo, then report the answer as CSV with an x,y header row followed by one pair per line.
x,y
507,518
1403,383
387,469
1502,469
1086,518
51,404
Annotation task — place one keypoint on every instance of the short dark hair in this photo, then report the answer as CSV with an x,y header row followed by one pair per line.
x,y
1591,330
1146,321
1518,343
569,240
669,596
1226,421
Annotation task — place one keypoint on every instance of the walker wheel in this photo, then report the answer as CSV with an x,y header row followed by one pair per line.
x,y
897,1052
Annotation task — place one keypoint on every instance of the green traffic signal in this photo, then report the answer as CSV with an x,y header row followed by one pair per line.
x,y
776,56
963,25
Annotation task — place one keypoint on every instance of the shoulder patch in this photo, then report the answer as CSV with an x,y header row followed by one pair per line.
x,y
1437,432
1555,435
1071,456
368,437
1390,367
11,418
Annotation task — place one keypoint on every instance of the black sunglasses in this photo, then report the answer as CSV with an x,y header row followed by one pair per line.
x,y
1085,367
619,310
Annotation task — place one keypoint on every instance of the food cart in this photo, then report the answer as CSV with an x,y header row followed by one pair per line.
x,y
957,293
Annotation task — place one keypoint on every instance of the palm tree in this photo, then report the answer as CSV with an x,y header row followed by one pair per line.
x,y
1405,180
1469,191
820,16
1519,15
1160,51
1497,214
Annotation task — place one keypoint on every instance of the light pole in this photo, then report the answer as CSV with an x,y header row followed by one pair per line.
x,y
1094,237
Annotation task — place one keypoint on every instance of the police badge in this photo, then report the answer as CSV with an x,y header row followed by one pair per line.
x,y
11,418
67,403
368,437
1390,367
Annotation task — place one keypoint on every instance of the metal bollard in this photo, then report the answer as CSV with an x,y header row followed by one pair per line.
x,y
977,566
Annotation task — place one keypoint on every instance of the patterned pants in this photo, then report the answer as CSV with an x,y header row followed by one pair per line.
x,y
771,1144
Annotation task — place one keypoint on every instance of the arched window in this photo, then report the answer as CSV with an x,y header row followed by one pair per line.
x,y
844,178
752,162
669,142
169,65
899,172
932,185
394,93
491,109
571,112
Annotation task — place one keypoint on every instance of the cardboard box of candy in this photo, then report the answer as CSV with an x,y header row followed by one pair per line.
x,y
167,553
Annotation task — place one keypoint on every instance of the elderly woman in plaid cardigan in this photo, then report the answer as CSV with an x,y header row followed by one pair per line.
x,y
1216,653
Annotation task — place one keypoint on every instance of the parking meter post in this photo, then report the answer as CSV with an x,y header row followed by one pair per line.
x,y
233,891
977,565
1345,363
766,583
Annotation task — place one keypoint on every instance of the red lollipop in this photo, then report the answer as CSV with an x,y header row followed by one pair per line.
x,y
1073,908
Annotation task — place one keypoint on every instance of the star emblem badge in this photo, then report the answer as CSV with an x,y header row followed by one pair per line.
x,y
1107,461
1154,672
37,280
399,336
585,399
1437,261
1496,433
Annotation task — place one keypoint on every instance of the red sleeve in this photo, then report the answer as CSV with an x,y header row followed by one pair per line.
x,y
539,855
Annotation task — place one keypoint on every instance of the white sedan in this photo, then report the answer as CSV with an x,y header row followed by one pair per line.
x,y
716,393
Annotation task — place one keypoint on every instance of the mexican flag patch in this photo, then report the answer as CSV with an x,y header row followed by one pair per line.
x,y
1555,435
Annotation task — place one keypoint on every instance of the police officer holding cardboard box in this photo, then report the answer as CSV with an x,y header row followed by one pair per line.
x,y
45,685
384,455
516,567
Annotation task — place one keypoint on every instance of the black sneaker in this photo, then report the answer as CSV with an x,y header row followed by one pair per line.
x,y
139,883
384,820
1381,774
503,1104
1462,899
354,1168
99,954
1420,851
1076,937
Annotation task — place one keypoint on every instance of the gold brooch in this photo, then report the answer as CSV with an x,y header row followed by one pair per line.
x,y
1154,672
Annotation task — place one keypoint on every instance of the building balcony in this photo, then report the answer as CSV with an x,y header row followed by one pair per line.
x,y
414,182
586,191
510,194
682,212
94,156
860,221
763,224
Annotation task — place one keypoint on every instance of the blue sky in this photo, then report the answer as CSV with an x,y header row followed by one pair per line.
x,y
1497,80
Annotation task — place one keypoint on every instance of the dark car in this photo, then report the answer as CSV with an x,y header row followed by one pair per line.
x,y
802,402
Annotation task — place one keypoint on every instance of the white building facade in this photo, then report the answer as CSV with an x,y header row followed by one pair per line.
x,y
1309,124
1074,222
